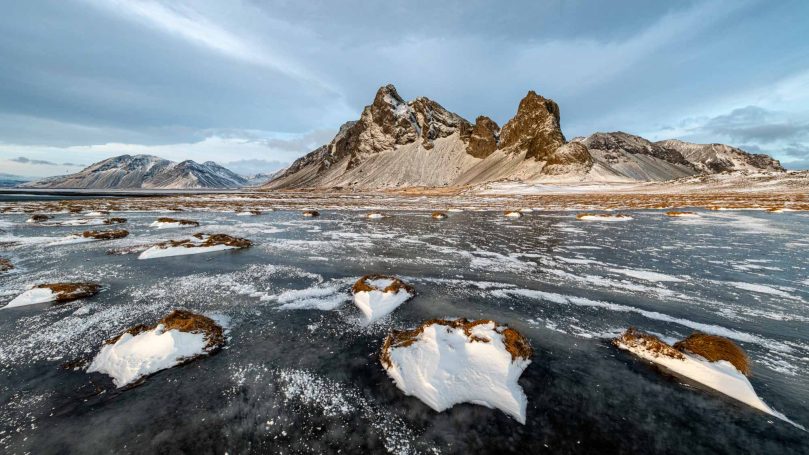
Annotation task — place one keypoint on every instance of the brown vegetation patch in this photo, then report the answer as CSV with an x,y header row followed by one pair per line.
x,y
363,285
516,344
184,321
5,265
106,235
311,213
635,338
714,348
67,292
439,215
115,221
677,213
178,221
221,239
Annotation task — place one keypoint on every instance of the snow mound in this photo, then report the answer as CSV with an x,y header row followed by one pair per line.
x,y
446,362
85,222
686,359
180,337
602,217
54,292
378,295
196,244
170,223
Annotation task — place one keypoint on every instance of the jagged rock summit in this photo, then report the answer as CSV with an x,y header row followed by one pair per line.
x,y
398,143
145,171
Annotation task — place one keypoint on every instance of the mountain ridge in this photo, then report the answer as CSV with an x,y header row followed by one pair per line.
x,y
146,172
397,143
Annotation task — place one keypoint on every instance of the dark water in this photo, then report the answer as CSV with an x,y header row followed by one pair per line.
x,y
301,375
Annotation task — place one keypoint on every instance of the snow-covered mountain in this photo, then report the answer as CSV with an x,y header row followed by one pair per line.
x,y
145,171
419,143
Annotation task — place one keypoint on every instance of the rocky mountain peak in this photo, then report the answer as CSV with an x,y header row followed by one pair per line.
x,y
535,129
484,137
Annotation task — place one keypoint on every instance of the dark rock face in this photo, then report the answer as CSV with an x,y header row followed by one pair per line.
x,y
571,157
483,138
534,129
628,143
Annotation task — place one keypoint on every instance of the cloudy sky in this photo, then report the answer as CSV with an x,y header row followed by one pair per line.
x,y
255,84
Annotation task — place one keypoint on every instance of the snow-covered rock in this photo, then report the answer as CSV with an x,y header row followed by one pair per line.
x,y
180,337
712,361
378,295
446,362
195,244
603,217
54,292
95,221
91,236
171,223
37,218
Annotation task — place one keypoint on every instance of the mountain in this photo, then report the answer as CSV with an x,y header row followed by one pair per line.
x,y
715,158
396,143
145,171
11,180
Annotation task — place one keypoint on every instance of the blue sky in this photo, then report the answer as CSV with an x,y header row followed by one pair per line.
x,y
255,84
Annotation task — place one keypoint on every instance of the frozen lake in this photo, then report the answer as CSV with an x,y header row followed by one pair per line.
x,y
301,374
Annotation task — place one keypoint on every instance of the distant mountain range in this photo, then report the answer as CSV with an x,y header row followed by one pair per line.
x,y
419,143
145,171
10,180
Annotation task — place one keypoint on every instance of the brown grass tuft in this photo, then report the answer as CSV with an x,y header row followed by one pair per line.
x,y
635,338
106,235
221,239
516,344
67,292
181,222
676,213
714,348
5,265
362,284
